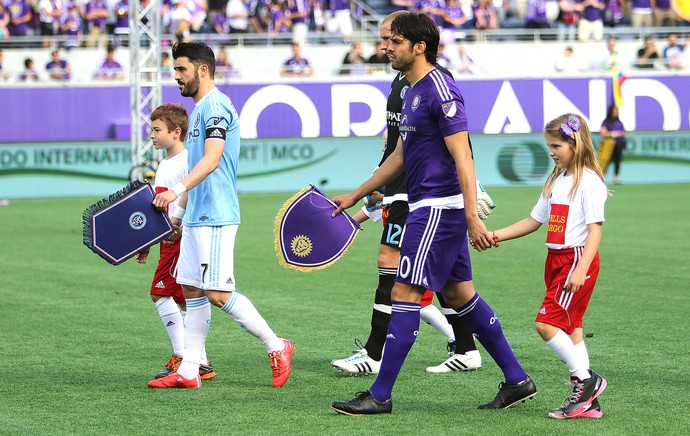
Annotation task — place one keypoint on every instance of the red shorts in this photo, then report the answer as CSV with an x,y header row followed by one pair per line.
x,y
560,308
427,298
164,283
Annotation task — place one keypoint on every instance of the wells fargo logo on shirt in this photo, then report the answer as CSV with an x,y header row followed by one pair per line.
x,y
557,224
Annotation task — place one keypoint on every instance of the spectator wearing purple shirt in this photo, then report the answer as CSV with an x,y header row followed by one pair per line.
x,y
613,12
339,18
590,24
453,20
122,18
278,21
663,14
71,27
485,15
298,17
296,65
29,74
58,69
95,15
259,15
220,24
433,8
535,15
20,16
110,69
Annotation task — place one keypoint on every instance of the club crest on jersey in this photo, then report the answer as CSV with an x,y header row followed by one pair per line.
x,y
449,109
137,220
198,120
415,102
404,91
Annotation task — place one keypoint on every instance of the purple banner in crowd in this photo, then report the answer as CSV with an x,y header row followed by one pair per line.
x,y
312,110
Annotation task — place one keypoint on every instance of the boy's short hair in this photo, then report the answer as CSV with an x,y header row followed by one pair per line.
x,y
173,115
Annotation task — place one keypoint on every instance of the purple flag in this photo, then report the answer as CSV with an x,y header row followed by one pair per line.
x,y
125,223
307,238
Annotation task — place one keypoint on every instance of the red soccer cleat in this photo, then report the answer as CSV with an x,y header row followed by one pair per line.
x,y
175,380
280,363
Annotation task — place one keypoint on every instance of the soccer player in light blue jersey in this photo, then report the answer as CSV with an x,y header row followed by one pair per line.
x,y
211,217
435,154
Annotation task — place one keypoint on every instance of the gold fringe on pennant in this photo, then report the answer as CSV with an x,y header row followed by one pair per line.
x,y
276,234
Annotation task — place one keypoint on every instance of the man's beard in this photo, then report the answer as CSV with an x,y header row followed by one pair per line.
x,y
190,89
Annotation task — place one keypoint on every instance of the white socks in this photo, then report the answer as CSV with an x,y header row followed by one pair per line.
x,y
173,322
563,346
197,323
432,316
239,307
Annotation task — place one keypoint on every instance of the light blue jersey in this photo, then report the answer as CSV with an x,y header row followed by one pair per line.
x,y
214,201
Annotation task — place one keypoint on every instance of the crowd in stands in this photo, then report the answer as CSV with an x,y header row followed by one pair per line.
x,y
88,21
104,23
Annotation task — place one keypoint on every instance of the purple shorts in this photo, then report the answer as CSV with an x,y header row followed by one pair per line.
x,y
434,248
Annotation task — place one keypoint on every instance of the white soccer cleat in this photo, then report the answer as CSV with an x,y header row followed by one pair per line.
x,y
459,362
359,363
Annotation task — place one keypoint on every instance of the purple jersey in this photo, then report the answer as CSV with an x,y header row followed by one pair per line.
x,y
18,10
536,12
296,66
96,5
453,12
338,5
297,6
110,70
432,110
122,22
663,4
58,70
591,13
71,26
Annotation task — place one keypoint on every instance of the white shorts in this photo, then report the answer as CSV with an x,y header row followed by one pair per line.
x,y
207,258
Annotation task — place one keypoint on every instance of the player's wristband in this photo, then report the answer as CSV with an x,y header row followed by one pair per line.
x,y
179,212
179,189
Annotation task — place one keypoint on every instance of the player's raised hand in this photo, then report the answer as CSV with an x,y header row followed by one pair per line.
x,y
343,202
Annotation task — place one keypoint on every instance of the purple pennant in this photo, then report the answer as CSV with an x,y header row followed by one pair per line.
x,y
307,237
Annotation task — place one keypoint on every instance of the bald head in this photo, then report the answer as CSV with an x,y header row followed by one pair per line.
x,y
389,19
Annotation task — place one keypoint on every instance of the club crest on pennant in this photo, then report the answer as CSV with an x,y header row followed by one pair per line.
x,y
307,236
301,246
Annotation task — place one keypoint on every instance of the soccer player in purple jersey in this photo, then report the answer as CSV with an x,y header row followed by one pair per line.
x,y
435,154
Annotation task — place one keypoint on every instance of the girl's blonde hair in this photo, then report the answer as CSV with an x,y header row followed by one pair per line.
x,y
573,129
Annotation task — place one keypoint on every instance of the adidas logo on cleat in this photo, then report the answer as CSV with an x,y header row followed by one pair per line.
x,y
160,285
169,324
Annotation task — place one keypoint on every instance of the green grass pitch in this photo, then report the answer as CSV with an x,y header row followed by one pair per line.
x,y
80,338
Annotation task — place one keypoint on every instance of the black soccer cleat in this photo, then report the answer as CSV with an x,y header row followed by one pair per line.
x,y
509,395
584,393
363,404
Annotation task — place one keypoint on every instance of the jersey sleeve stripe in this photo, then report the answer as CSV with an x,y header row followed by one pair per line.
x,y
441,85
